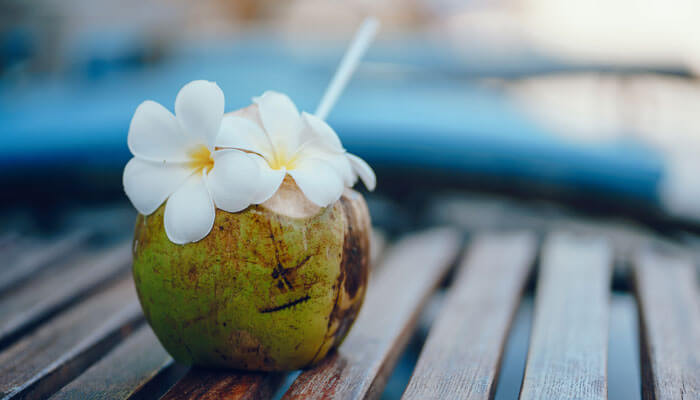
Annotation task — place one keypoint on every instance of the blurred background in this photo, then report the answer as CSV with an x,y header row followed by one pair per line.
x,y
584,102
590,106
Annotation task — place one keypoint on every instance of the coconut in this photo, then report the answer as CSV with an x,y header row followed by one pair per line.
x,y
274,287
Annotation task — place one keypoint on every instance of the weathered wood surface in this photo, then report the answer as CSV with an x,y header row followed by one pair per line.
x,y
568,348
39,256
51,290
669,307
123,372
58,351
396,295
463,351
204,384
74,328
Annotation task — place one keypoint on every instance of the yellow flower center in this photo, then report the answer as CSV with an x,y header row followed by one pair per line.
x,y
200,159
283,160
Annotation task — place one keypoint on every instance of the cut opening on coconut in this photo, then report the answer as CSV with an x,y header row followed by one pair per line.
x,y
290,201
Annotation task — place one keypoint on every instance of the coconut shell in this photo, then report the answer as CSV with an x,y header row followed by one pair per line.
x,y
274,287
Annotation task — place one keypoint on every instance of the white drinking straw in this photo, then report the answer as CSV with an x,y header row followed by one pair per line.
x,y
363,38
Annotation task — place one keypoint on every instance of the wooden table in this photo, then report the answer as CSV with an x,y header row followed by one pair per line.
x,y
71,326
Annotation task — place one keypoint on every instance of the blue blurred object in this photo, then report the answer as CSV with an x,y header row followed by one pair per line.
x,y
16,45
418,120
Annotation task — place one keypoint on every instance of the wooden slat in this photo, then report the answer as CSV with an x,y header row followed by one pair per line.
x,y
207,384
395,298
568,346
52,290
43,361
123,372
38,257
213,384
669,312
463,351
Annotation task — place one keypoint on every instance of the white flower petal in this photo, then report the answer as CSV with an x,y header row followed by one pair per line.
x,y
363,170
148,184
234,180
199,107
281,120
155,135
270,181
319,182
338,161
321,131
189,212
341,164
251,113
241,133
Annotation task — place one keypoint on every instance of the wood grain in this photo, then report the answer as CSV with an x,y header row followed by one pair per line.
x,y
206,384
39,256
668,298
123,372
568,346
411,270
51,356
463,351
50,291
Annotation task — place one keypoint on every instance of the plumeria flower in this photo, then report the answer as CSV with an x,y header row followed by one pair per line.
x,y
298,145
178,158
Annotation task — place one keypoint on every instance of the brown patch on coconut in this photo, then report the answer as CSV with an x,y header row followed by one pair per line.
x,y
354,271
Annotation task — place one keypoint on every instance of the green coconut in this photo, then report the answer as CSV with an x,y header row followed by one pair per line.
x,y
274,287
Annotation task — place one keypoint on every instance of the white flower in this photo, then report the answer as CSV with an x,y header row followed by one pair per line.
x,y
199,160
299,145
175,160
